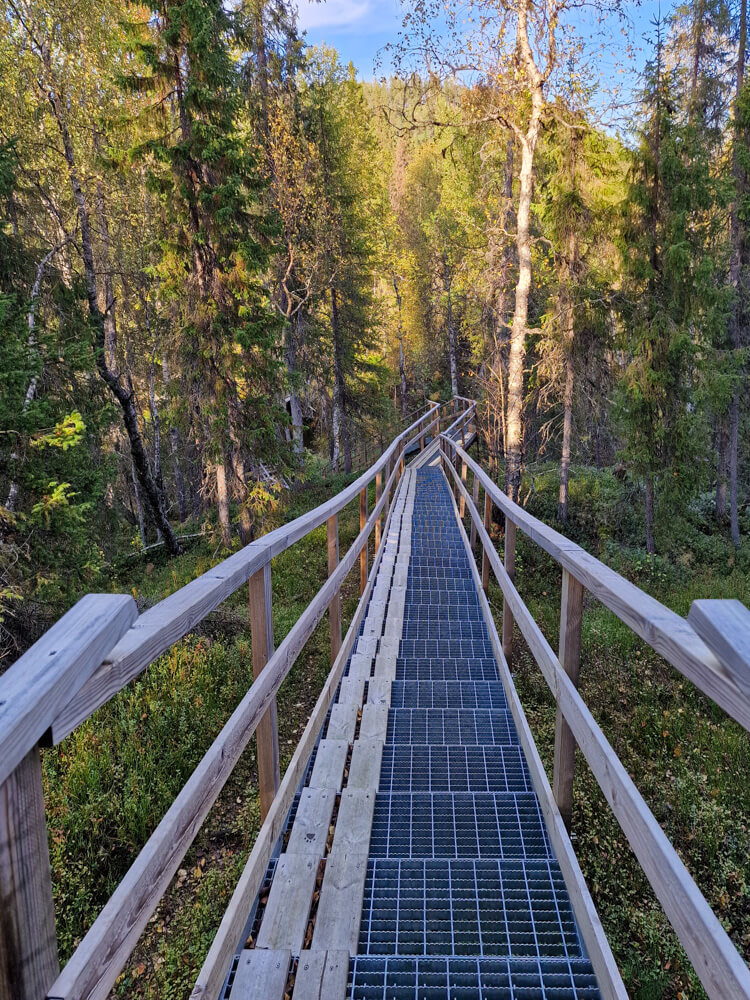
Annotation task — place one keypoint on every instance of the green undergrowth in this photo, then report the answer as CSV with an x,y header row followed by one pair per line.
x,y
688,759
108,785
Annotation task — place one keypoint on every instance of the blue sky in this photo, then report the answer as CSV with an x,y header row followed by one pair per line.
x,y
358,29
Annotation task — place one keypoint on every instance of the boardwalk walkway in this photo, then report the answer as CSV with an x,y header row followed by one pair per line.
x,y
440,881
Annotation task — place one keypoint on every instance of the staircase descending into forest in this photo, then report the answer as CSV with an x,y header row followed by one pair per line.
x,y
415,847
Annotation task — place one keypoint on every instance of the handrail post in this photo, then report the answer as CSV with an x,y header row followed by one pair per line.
x,y
510,568
387,504
475,499
363,553
462,502
28,946
267,733
334,608
378,492
485,557
571,617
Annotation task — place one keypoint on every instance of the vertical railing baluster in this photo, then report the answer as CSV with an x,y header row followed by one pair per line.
x,y
267,733
571,618
334,608
510,567
363,553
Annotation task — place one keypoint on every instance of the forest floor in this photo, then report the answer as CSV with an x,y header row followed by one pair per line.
x,y
109,784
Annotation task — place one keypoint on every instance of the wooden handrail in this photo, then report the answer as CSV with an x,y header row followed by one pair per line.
x,y
717,962
168,621
664,630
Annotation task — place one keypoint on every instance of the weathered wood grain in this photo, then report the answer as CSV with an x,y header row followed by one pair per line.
x,y
322,975
310,828
330,760
334,608
288,908
39,685
261,975
571,618
364,769
28,946
724,625
340,906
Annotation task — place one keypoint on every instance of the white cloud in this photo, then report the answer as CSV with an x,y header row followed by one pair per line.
x,y
332,13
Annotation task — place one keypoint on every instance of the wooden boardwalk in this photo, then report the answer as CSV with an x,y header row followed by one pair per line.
x,y
414,847
440,879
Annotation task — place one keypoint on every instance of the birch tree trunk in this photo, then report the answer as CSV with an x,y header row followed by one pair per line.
x,y
341,444
517,357
401,358
222,504
452,349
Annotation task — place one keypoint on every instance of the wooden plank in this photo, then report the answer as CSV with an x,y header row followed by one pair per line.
x,y
366,647
352,689
360,666
330,760
289,901
354,821
214,969
364,769
571,618
41,683
374,722
671,636
261,975
334,608
340,906
101,955
28,946
716,961
385,665
310,828
379,691
724,625
343,721
267,733
322,975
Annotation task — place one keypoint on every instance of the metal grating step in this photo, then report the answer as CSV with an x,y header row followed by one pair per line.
x,y
450,648
459,825
447,907
448,694
446,669
470,979
450,725
423,767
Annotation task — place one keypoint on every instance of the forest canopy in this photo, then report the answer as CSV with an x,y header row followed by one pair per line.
x,y
228,264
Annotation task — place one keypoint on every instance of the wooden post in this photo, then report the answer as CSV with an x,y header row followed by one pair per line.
x,y
267,733
378,491
363,553
334,608
28,947
510,567
387,504
571,616
463,433
462,501
487,524
475,498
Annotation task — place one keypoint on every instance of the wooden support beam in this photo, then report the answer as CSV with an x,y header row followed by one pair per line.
x,y
462,501
28,946
267,733
334,608
510,569
571,617
379,522
363,553
475,499
485,557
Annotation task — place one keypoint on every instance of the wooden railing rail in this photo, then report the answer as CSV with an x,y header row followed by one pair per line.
x,y
717,962
91,654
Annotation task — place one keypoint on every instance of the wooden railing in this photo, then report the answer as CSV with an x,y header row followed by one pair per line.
x,y
710,649
90,655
